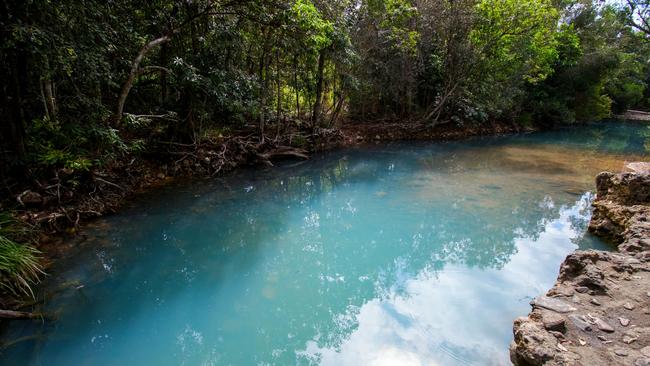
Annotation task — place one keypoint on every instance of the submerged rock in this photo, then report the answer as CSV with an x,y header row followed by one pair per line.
x,y
620,280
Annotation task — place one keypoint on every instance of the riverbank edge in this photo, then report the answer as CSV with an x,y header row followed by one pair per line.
x,y
55,223
598,311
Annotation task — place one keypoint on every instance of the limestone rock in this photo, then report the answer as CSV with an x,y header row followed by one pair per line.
x,y
603,325
553,322
598,291
552,303
580,322
532,345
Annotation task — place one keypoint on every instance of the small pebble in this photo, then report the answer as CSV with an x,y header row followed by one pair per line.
x,y
624,321
628,306
581,341
604,326
595,302
561,347
602,338
629,340
582,289
621,352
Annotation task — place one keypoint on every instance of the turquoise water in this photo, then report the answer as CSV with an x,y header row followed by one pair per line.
x,y
399,254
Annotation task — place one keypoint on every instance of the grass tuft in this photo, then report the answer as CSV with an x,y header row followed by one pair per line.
x,y
19,263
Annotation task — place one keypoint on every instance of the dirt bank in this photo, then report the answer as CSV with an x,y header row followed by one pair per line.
x,y
598,311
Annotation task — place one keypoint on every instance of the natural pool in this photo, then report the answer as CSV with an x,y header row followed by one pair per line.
x,y
399,254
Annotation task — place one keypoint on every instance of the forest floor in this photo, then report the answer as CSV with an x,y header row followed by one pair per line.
x,y
59,207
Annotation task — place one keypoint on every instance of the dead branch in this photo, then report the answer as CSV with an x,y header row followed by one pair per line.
x,y
11,314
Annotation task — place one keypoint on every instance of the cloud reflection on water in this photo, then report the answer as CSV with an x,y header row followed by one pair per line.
x,y
453,316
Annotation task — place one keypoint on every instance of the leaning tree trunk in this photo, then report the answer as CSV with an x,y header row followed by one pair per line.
x,y
135,68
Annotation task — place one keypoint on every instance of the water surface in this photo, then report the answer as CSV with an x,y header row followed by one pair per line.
x,y
399,254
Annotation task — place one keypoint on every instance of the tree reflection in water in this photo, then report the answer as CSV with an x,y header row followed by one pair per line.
x,y
409,252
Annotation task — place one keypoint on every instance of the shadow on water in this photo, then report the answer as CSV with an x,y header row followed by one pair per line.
x,y
411,252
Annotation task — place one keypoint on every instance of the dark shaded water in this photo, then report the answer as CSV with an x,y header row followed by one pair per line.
x,y
402,254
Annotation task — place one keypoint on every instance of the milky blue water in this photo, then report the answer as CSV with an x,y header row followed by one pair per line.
x,y
398,254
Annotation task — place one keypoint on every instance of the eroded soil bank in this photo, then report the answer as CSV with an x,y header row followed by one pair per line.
x,y
598,311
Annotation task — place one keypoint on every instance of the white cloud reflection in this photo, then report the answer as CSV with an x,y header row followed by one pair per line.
x,y
455,316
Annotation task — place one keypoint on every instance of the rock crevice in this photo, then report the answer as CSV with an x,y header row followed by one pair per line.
x,y
598,311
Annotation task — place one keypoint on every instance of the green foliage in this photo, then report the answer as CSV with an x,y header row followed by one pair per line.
x,y
599,70
19,264
67,145
65,63
397,19
309,20
516,38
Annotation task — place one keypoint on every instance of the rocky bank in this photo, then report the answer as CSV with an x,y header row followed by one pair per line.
x,y
598,311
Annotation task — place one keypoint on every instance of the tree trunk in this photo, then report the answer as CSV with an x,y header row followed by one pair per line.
x,y
319,90
128,84
264,79
49,97
13,103
295,83
278,75
164,59
337,109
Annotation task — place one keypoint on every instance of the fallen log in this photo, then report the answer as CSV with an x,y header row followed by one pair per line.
x,y
11,314
282,152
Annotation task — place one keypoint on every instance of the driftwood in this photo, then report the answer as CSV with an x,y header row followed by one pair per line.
x,y
285,151
11,314
282,152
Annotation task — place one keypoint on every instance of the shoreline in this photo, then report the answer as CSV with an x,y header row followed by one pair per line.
x,y
598,312
56,225
121,182
369,134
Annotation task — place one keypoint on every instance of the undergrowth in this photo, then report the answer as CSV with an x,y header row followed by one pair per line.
x,y
19,263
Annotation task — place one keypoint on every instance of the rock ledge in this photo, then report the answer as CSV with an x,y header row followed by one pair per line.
x,y
598,311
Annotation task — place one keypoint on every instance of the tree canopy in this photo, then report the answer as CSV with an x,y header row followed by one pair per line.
x,y
87,82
